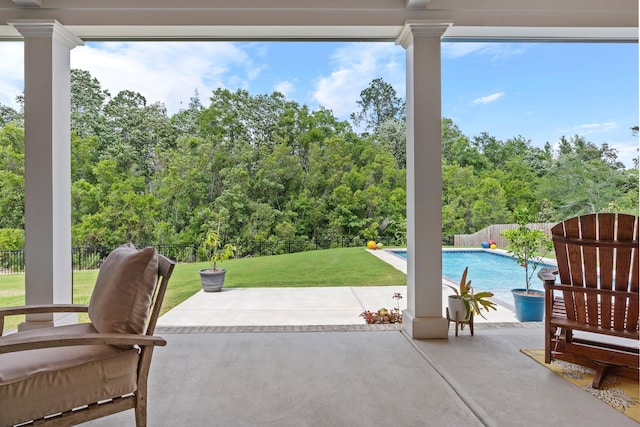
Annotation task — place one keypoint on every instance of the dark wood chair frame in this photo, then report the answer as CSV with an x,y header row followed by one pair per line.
x,y
146,343
598,266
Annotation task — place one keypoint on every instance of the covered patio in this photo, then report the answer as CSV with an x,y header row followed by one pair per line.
x,y
322,376
50,29
299,357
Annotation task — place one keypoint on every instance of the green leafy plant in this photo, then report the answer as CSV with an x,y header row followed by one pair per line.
x,y
527,246
216,252
473,301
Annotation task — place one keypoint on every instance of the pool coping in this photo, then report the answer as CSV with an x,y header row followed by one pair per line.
x,y
400,264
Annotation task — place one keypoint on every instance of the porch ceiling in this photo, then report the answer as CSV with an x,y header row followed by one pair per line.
x,y
613,20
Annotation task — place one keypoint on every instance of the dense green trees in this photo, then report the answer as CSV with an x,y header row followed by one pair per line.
x,y
268,168
11,177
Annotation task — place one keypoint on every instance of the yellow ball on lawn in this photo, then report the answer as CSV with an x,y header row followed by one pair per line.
x,y
371,244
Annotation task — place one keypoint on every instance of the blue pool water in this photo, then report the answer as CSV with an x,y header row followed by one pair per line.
x,y
488,271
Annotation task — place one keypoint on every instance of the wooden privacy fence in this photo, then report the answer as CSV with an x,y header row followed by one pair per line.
x,y
493,232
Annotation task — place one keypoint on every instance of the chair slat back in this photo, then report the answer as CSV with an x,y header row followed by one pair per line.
x,y
599,251
165,268
627,273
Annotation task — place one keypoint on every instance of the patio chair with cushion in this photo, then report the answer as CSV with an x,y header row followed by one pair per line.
x,y
66,375
591,316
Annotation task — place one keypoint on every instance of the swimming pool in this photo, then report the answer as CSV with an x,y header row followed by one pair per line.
x,y
488,271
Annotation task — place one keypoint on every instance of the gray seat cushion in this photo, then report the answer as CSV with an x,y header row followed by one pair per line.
x,y
37,383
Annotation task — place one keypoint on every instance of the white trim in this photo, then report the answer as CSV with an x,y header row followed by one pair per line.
x,y
417,4
413,29
563,20
561,34
46,28
28,3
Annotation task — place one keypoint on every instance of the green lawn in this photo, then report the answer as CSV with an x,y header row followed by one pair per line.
x,y
331,267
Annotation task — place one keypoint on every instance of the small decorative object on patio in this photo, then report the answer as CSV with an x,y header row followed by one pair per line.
x,y
384,315
466,302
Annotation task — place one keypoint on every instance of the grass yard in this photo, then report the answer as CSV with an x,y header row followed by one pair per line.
x,y
330,267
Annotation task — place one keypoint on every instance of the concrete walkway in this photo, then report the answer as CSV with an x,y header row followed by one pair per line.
x,y
301,306
295,306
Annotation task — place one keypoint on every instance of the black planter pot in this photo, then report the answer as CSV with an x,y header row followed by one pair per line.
x,y
212,280
529,307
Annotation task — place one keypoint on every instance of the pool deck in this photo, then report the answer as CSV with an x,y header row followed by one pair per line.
x,y
263,307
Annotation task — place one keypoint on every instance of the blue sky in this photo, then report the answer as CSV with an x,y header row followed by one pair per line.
x,y
540,91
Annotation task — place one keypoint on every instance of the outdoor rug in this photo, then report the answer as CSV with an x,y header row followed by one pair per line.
x,y
620,393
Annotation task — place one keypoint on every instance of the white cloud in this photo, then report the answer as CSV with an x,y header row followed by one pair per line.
x,y
355,65
589,128
12,72
627,151
489,98
454,50
286,88
168,72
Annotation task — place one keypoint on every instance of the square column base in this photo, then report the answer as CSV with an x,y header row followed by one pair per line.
x,y
424,327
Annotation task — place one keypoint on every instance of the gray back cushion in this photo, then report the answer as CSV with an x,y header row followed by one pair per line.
x,y
124,290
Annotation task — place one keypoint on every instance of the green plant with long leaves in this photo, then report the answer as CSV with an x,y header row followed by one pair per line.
x,y
528,247
473,301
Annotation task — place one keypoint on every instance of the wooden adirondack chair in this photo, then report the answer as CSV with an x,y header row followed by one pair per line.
x,y
67,375
591,317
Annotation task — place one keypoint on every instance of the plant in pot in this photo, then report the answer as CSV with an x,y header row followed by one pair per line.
x,y
212,279
528,248
466,300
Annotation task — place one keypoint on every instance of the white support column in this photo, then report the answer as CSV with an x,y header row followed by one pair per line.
x,y
423,317
47,98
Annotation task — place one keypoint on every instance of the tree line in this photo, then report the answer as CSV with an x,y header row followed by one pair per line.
x,y
267,168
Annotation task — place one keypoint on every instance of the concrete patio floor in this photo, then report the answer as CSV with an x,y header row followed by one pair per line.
x,y
335,373
303,357
360,378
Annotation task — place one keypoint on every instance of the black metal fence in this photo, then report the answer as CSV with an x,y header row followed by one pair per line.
x,y
448,241
90,258
12,261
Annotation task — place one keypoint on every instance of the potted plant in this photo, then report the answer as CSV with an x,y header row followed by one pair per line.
x,y
212,279
383,315
466,300
527,247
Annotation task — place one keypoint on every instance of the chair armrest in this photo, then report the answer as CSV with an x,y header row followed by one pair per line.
x,y
633,296
548,275
44,308
40,308
14,342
